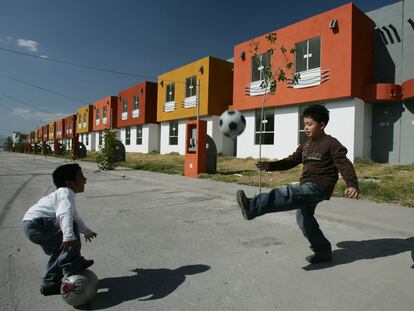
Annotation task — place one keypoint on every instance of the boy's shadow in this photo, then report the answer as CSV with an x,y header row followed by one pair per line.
x,y
146,284
351,251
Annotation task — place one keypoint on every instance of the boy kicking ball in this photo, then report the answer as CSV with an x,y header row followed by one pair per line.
x,y
322,157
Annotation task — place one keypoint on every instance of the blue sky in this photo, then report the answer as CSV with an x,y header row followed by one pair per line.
x,y
145,38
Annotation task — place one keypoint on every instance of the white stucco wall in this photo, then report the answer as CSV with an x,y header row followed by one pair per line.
x,y
224,144
150,139
285,136
91,143
165,146
350,123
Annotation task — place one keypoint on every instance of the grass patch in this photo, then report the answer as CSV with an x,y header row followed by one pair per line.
x,y
386,183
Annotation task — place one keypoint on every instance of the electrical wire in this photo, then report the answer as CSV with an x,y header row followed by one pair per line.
x,y
43,88
77,65
26,104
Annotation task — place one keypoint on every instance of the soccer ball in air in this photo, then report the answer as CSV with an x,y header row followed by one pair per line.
x,y
79,289
232,123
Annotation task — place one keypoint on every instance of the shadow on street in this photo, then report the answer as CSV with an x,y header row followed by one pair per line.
x,y
147,284
351,251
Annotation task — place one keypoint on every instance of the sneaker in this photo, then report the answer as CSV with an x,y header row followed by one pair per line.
x,y
244,204
50,290
86,264
316,258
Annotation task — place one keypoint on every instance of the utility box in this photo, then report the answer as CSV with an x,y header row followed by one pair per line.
x,y
195,148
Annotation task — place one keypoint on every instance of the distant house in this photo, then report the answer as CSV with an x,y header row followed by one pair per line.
x,y
137,118
180,99
104,116
84,126
70,131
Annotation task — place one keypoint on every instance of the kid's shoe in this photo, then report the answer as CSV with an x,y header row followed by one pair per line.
x,y
86,264
317,258
50,290
244,204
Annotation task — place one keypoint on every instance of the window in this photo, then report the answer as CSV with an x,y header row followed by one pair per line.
x,y
268,127
136,102
97,114
87,139
308,55
104,111
190,86
84,119
100,138
259,63
124,105
170,92
139,135
173,133
127,136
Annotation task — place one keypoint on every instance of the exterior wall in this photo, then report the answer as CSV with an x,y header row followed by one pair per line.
x,y
45,132
60,129
84,119
150,139
52,131
88,139
347,121
165,147
70,126
224,144
339,49
101,123
147,94
216,90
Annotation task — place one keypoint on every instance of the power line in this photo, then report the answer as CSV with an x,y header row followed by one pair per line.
x,y
87,66
24,103
43,89
77,65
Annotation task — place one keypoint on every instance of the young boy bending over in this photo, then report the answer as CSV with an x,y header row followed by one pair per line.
x,y
54,224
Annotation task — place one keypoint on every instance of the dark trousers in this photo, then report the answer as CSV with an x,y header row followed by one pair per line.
x,y
46,233
302,198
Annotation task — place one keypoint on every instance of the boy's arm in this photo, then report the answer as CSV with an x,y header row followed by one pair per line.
x,y
345,167
287,163
83,228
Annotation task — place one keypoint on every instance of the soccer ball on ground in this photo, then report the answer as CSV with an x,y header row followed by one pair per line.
x,y
232,123
79,289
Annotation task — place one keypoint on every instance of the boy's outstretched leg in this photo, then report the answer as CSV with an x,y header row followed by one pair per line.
x,y
310,228
244,204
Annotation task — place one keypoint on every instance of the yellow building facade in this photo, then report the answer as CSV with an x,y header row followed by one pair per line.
x,y
179,92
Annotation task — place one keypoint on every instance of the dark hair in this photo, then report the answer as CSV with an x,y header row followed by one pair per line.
x,y
318,113
64,173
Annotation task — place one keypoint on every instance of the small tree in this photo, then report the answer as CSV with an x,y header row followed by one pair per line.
x,y
8,144
107,158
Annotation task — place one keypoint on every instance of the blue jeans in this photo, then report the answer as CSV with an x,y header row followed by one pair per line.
x,y
46,233
304,199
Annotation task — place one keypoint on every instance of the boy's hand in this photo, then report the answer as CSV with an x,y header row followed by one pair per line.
x,y
89,236
352,192
263,166
67,246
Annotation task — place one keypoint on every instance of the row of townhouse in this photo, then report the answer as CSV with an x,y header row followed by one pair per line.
x,y
359,65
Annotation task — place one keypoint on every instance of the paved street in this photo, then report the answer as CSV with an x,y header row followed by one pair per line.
x,y
175,243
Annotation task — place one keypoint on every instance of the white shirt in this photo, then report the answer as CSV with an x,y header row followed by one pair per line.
x,y
60,204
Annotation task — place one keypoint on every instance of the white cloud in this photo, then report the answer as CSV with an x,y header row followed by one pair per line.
x,y
44,56
28,114
28,44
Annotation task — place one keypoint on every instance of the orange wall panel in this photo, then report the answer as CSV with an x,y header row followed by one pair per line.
x,y
337,54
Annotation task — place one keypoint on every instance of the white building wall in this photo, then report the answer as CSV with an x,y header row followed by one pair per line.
x,y
224,144
165,147
150,139
350,123
285,137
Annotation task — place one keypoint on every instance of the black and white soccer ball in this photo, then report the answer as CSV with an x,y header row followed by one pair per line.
x,y
232,123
